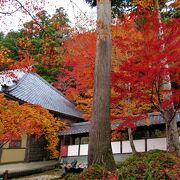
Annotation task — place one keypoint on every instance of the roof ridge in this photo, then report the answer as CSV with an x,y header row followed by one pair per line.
x,y
80,123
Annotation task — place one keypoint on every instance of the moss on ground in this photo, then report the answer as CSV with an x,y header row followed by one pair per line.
x,y
153,165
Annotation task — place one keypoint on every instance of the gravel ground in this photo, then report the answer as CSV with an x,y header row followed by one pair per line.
x,y
47,175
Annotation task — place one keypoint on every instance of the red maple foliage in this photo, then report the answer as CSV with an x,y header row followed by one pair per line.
x,y
151,66
140,56
76,76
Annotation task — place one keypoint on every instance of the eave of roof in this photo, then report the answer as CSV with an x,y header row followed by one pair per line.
x,y
34,89
84,127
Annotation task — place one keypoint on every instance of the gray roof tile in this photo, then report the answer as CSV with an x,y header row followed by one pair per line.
x,y
84,127
34,89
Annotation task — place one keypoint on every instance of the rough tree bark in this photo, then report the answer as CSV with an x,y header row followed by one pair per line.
x,y
100,151
172,136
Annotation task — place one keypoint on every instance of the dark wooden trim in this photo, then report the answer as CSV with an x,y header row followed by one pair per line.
x,y
1,149
121,145
116,140
145,144
66,116
14,148
26,159
74,156
14,162
146,136
79,146
13,98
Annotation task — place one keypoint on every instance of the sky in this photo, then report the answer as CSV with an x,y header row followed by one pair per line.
x,y
74,9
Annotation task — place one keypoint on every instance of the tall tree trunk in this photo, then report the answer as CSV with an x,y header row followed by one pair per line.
x,y
172,136
131,141
100,151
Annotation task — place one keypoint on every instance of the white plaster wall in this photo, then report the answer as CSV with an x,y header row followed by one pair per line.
x,y
73,150
140,145
115,147
158,143
126,148
84,149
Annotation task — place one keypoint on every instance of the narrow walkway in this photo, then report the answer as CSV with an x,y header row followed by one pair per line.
x,y
23,169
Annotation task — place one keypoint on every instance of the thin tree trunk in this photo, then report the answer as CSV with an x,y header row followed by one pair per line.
x,y
130,113
131,141
172,136
100,151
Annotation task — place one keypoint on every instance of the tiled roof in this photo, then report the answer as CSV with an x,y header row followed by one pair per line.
x,y
77,128
34,89
84,127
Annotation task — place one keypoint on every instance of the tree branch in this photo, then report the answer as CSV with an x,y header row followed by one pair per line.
x,y
21,6
151,99
10,13
174,114
157,91
3,143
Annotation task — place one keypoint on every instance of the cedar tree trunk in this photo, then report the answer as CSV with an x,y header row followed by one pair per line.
x,y
100,151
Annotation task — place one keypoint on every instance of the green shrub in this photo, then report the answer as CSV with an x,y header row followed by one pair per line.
x,y
154,164
92,173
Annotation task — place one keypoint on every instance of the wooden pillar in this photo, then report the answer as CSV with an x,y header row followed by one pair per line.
x,y
62,140
79,146
73,140
146,136
1,151
27,149
121,145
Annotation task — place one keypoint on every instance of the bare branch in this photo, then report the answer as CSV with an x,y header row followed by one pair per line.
x,y
174,114
21,6
73,3
157,91
10,13
3,143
